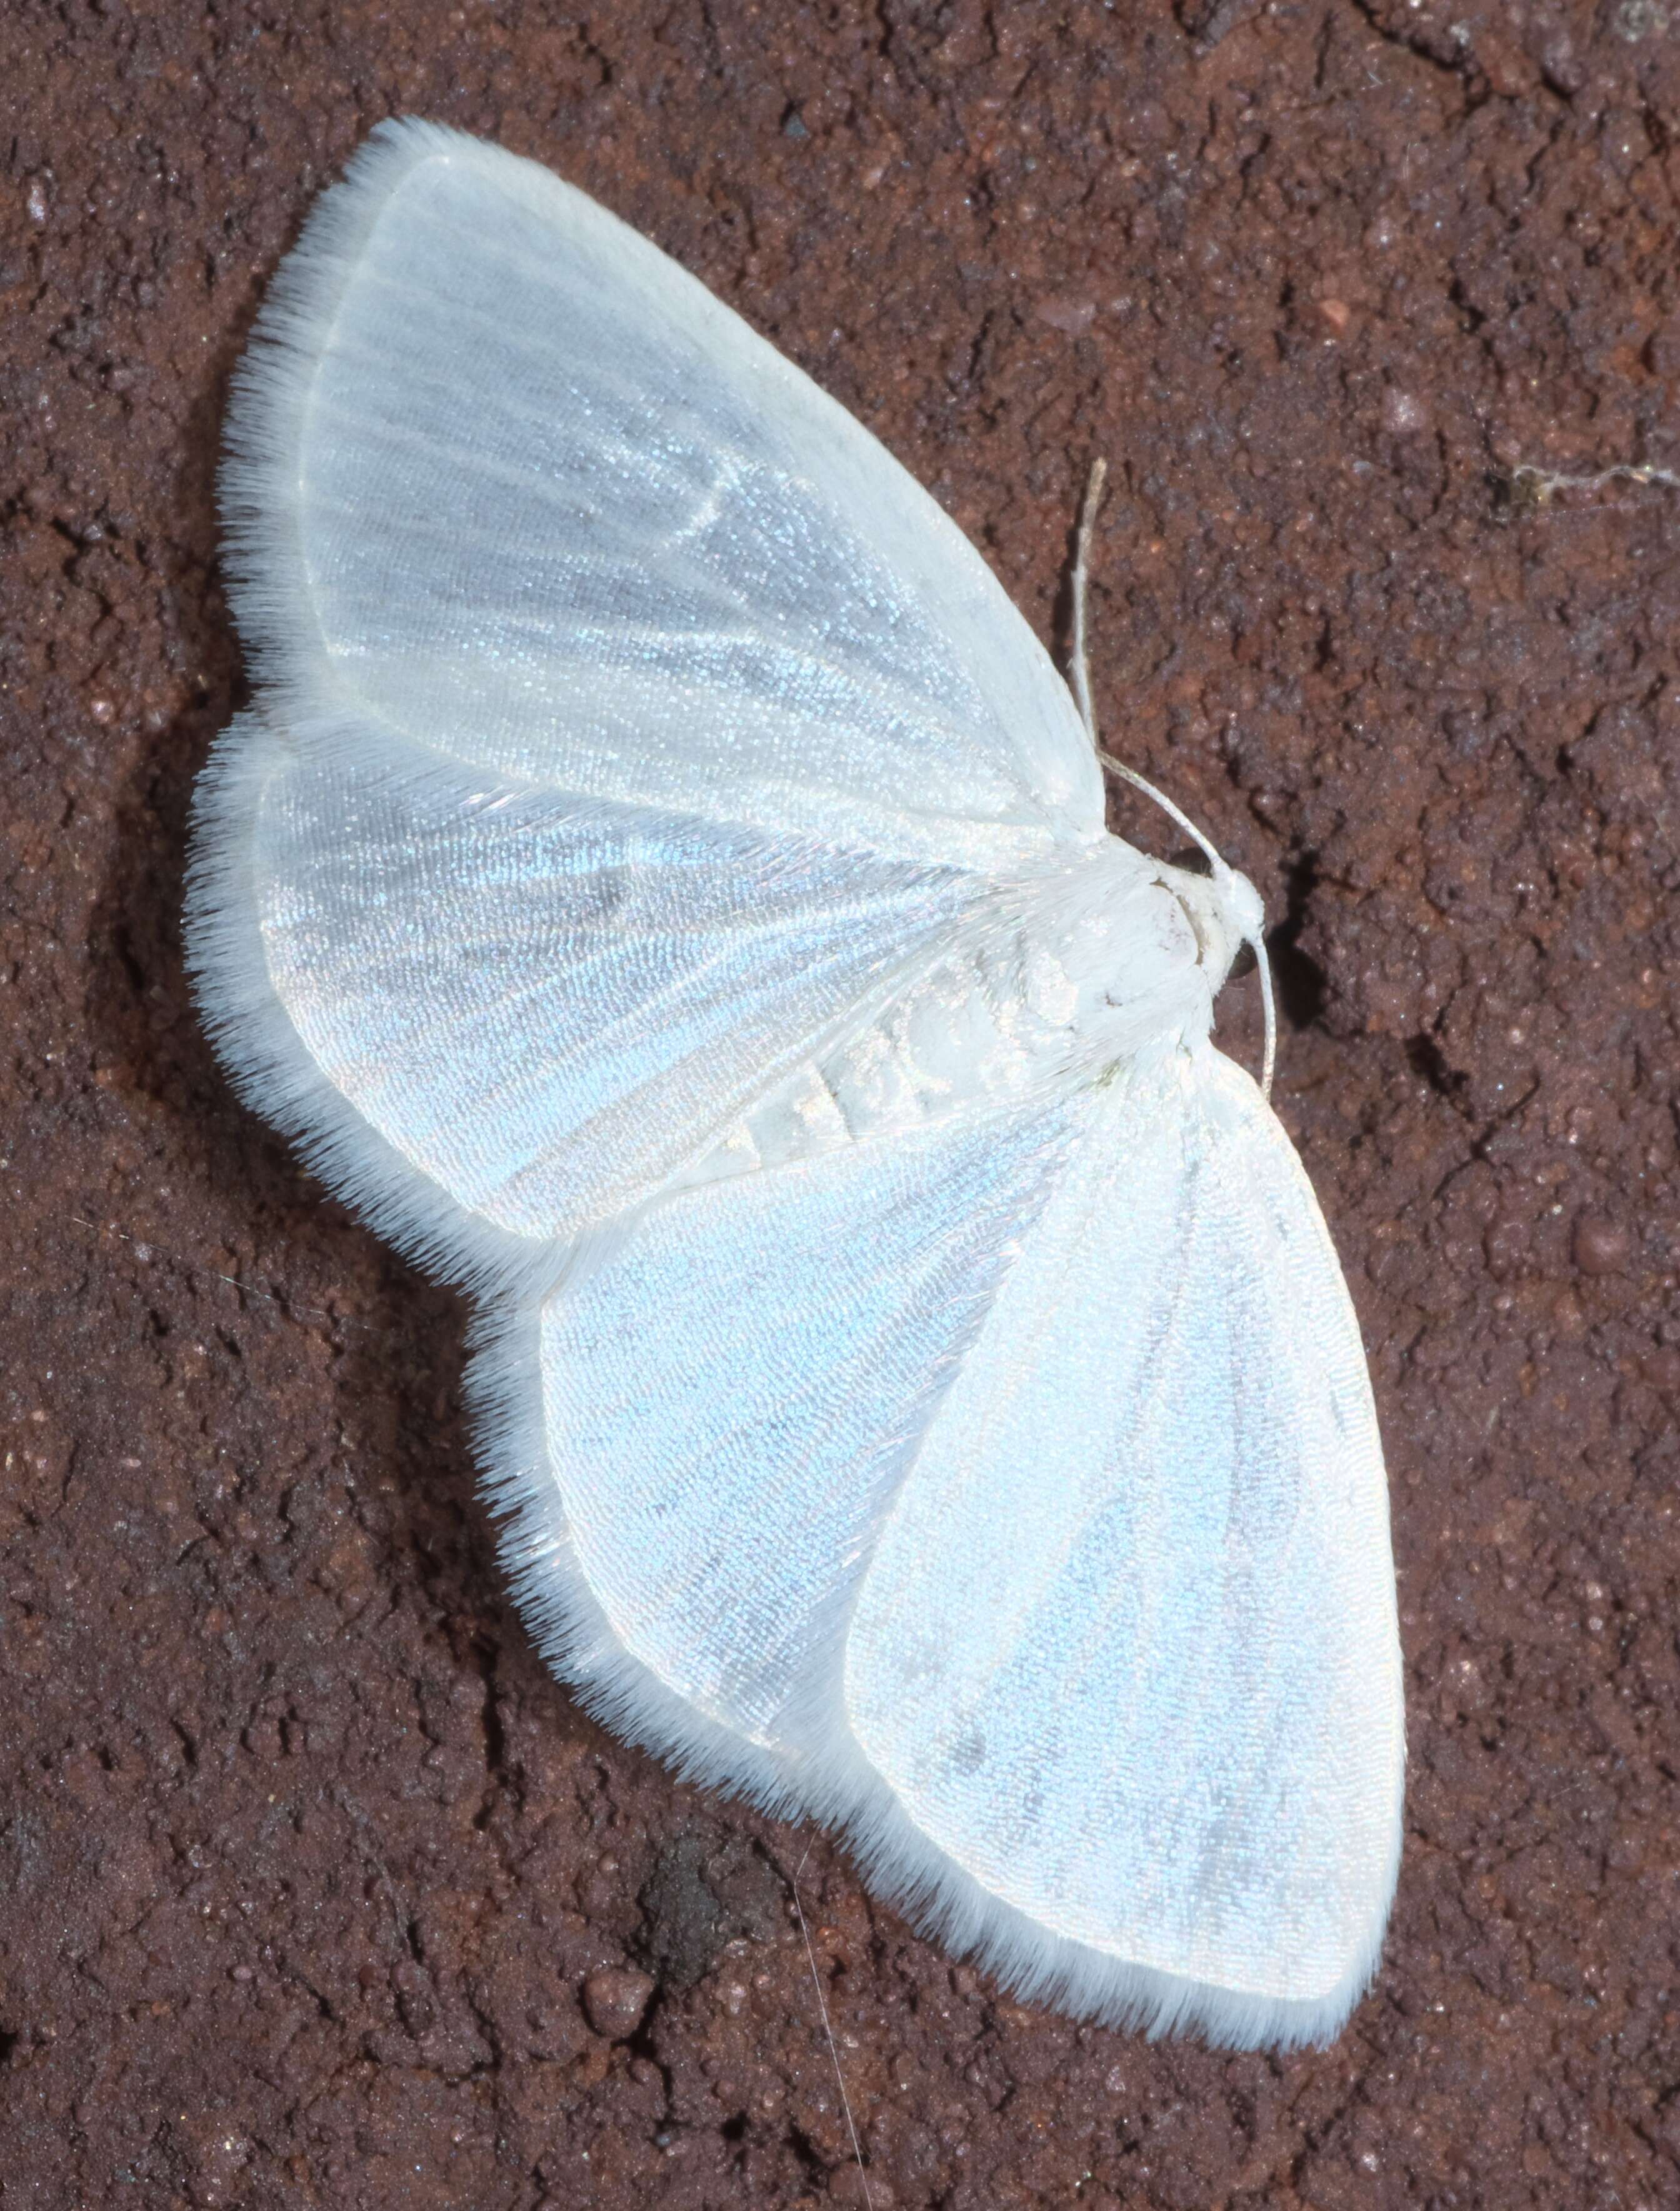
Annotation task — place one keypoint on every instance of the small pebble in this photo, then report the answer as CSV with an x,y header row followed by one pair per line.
x,y
614,2000
1067,310
1601,1246
1403,416
847,2185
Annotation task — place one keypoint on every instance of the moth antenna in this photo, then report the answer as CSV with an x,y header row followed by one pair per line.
x,y
1269,1057
1113,767
833,2046
1092,500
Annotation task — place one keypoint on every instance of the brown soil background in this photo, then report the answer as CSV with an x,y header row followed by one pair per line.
x,y
314,1888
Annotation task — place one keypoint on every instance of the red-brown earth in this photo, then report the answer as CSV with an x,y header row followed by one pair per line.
x,y
317,1889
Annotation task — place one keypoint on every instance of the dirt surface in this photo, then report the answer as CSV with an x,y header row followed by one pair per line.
x,y
317,1889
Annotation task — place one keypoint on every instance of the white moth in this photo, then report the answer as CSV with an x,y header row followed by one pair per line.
x,y
663,884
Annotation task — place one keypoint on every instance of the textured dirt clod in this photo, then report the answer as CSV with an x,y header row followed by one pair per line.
x,y
318,1891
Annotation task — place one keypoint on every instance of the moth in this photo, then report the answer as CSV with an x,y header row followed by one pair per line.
x,y
663,885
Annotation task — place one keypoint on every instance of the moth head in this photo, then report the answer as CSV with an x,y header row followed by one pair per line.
x,y
1224,909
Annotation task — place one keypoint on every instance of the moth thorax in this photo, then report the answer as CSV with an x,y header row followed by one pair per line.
x,y
1118,954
